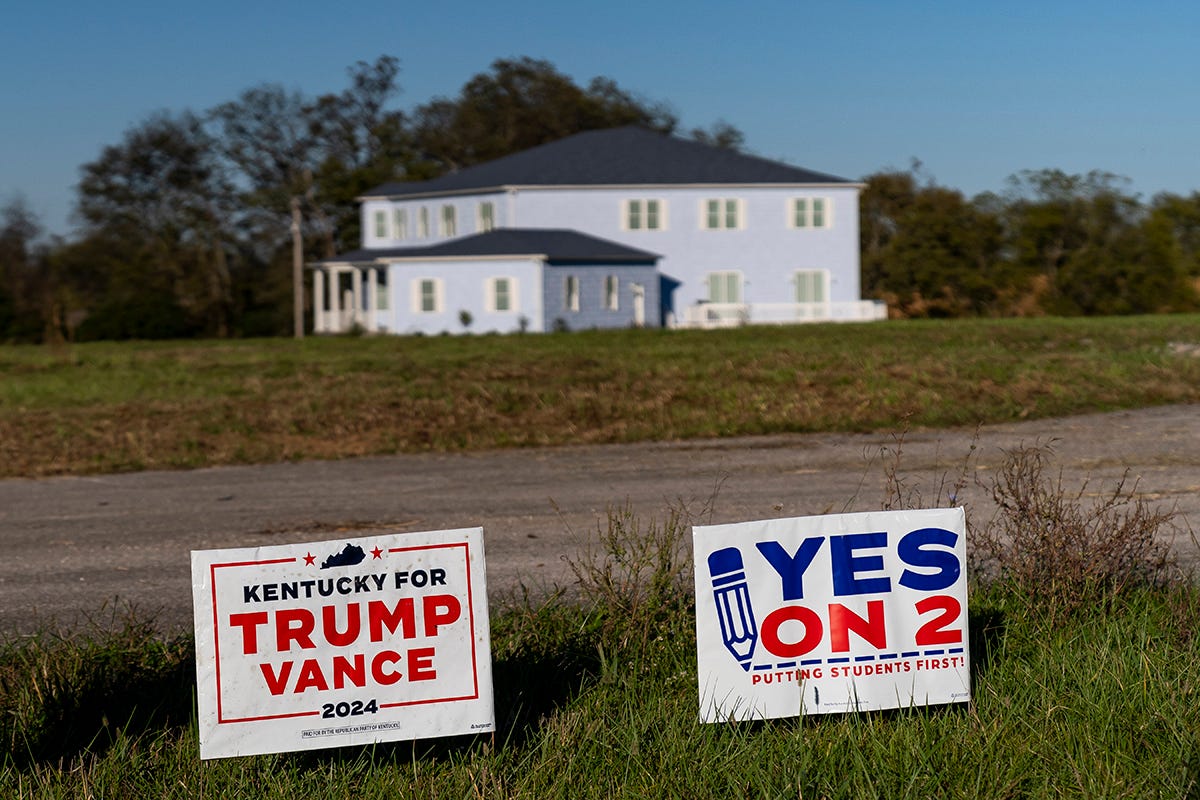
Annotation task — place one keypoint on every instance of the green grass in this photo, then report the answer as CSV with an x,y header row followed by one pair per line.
x,y
1107,705
111,407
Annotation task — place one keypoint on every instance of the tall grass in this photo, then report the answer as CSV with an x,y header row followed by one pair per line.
x,y
596,694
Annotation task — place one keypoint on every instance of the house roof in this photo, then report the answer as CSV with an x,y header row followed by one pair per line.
x,y
613,157
555,245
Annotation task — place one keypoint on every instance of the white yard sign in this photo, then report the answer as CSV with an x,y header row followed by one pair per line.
x,y
371,639
844,612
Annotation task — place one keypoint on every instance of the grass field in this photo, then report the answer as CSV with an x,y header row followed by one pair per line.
x,y
1085,640
115,407
1106,706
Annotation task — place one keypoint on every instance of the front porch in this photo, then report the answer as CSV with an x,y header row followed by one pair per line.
x,y
347,297
732,315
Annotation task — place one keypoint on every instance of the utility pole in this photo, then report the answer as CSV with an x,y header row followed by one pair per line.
x,y
297,271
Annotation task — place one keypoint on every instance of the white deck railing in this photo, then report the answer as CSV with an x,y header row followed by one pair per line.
x,y
731,315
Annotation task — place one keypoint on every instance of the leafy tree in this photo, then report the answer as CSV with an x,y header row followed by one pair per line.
x,y
158,205
301,163
1094,245
1179,218
1053,214
885,198
24,288
266,135
520,104
926,249
720,134
941,261
8,305
361,143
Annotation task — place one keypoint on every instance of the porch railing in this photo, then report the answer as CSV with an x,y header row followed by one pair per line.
x,y
730,315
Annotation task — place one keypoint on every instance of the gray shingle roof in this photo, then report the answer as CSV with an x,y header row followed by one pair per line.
x,y
556,245
615,157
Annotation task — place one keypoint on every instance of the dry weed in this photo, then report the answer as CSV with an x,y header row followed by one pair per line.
x,y
638,574
1063,549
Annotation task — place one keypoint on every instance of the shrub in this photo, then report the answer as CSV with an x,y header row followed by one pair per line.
x,y
636,576
145,315
1063,551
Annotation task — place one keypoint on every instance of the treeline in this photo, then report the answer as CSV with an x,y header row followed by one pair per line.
x,y
1052,243
188,226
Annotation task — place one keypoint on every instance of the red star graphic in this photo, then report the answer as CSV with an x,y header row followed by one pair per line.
x,y
377,553
309,559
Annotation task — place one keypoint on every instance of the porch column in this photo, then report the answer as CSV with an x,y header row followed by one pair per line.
x,y
356,290
335,301
372,297
318,300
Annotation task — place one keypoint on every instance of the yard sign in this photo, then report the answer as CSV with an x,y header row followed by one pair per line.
x,y
835,613
371,639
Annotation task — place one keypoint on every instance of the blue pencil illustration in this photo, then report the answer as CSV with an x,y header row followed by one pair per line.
x,y
732,596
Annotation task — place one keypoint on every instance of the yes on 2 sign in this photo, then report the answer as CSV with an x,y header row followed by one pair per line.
x,y
835,613
371,639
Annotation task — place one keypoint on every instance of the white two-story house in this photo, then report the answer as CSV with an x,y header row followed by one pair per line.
x,y
607,228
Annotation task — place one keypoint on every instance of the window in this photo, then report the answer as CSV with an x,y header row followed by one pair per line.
x,y
649,215
723,213
502,294
611,292
725,287
381,289
810,212
812,285
427,295
400,224
381,230
487,217
571,293
423,223
449,221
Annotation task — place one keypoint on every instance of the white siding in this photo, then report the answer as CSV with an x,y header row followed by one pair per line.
x,y
464,288
766,249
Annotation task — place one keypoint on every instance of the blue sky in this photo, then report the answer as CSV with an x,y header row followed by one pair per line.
x,y
976,91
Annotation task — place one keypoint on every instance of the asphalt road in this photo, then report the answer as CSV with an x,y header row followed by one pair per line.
x,y
73,549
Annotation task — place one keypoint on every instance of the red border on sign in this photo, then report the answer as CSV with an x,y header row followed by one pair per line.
x,y
212,582
466,546
471,615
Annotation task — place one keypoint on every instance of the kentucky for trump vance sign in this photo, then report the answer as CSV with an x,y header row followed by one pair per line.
x,y
834,613
326,644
